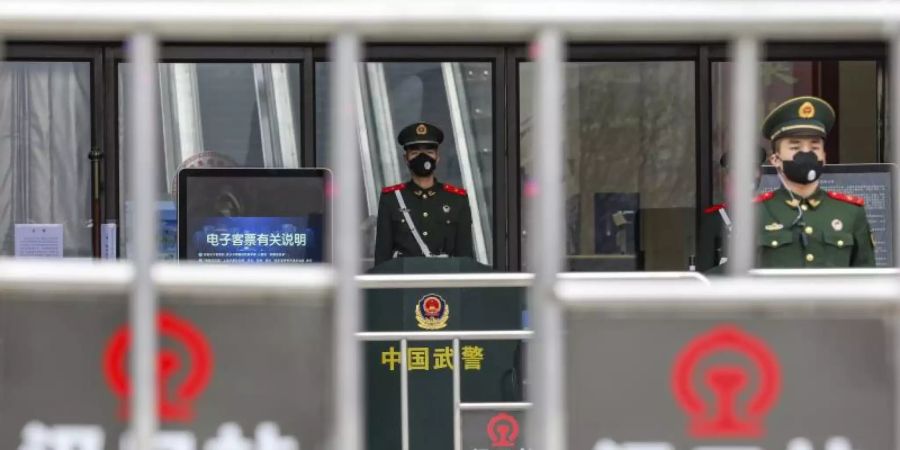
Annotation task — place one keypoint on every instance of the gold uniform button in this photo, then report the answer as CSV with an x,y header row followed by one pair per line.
x,y
840,243
425,214
804,207
774,243
424,233
810,257
808,230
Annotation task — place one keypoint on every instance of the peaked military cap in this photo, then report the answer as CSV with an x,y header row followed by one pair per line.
x,y
799,116
420,133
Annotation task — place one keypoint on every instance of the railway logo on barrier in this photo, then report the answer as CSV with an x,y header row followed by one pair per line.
x,y
503,429
726,415
432,312
193,375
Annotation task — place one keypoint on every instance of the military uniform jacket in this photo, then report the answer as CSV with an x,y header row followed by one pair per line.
x,y
440,213
831,232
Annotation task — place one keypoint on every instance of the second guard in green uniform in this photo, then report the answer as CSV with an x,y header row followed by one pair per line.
x,y
422,217
801,225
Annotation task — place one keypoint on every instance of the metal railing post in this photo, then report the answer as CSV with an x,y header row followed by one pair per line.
x,y
743,151
404,394
894,124
348,426
457,398
142,152
546,246
892,120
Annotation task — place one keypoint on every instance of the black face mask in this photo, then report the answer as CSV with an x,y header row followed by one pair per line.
x,y
805,168
422,165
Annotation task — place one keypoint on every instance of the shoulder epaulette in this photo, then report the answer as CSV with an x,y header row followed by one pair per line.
x,y
454,190
713,208
764,197
852,199
396,187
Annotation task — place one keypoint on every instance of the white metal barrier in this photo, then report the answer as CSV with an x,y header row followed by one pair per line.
x,y
344,24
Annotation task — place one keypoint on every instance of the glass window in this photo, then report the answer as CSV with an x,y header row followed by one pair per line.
x,y
217,115
630,163
850,86
455,96
45,138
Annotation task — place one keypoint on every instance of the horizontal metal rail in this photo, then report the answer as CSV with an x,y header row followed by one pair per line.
x,y
87,276
495,406
233,281
457,19
734,295
223,282
508,280
847,272
492,335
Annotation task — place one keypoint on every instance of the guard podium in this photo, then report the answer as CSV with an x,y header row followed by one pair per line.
x,y
490,370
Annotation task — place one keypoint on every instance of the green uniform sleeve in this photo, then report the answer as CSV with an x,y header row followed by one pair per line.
x,y
384,245
864,251
464,233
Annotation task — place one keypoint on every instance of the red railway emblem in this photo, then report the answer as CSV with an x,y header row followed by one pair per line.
x,y
180,382
732,413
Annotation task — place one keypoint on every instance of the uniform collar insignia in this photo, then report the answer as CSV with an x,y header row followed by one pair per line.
x,y
774,226
418,192
815,199
792,202
430,193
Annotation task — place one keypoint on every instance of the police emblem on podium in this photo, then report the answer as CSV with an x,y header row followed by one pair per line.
x,y
432,312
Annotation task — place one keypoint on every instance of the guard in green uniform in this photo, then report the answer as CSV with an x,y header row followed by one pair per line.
x,y
800,225
422,217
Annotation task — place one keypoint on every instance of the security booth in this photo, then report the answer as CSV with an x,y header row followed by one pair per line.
x,y
489,370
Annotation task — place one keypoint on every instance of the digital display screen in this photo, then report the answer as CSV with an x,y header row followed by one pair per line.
x,y
265,216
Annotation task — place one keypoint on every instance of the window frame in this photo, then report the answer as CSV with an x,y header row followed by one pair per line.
x,y
612,52
505,57
77,52
200,53
496,55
